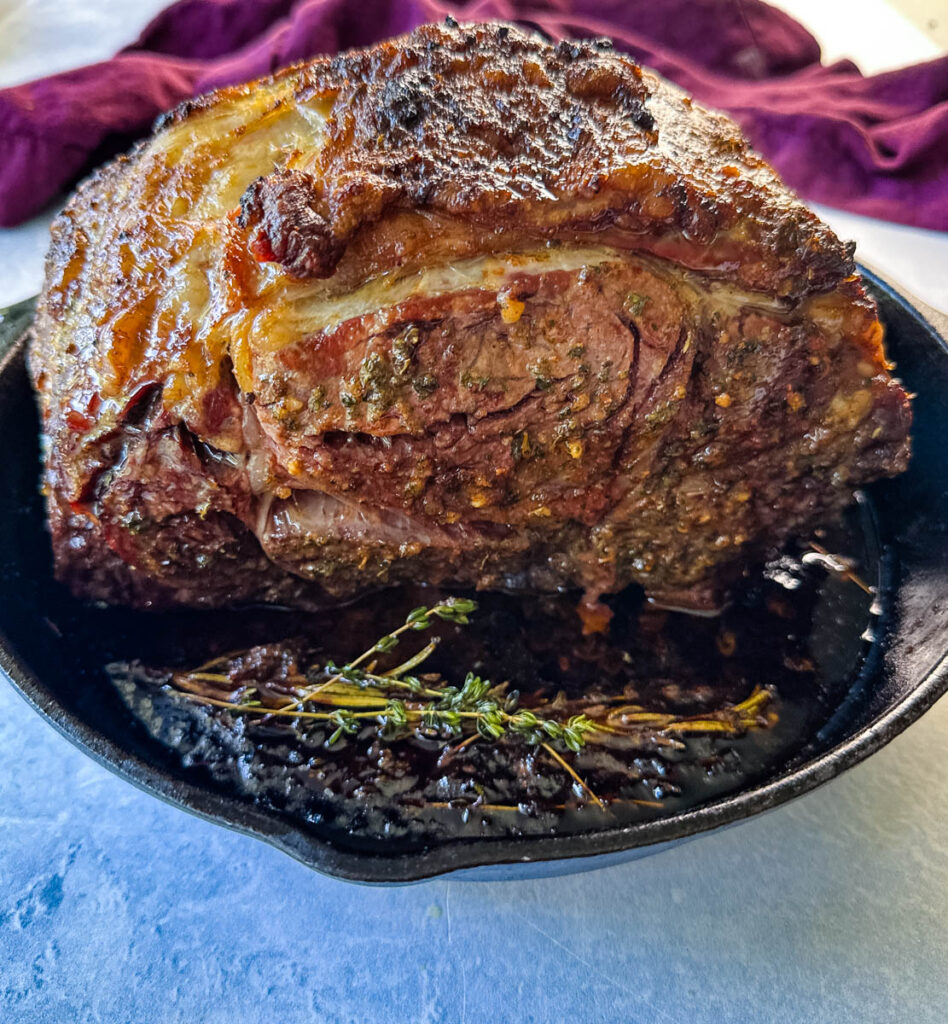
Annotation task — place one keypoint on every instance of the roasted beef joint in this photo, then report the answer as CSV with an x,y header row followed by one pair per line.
x,y
464,307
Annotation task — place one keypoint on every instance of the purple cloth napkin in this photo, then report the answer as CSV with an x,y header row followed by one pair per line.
x,y
876,145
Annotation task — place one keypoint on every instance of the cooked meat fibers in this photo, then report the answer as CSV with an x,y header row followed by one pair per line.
x,y
463,307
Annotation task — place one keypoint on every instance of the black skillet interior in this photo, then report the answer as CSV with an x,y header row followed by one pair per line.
x,y
62,675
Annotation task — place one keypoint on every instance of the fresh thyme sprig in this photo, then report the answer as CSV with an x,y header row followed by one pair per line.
x,y
477,710
454,708
454,609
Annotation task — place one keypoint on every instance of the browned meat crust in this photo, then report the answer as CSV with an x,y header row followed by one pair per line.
x,y
463,307
498,130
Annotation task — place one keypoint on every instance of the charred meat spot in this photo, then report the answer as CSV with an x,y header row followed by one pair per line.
x,y
284,227
569,50
403,104
577,125
614,86
639,116
177,114
699,221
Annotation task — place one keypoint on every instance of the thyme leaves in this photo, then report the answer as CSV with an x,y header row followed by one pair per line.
x,y
398,702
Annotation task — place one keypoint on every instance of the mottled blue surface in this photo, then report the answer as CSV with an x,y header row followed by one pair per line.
x,y
115,907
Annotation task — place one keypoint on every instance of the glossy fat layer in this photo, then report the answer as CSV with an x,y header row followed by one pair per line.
x,y
306,310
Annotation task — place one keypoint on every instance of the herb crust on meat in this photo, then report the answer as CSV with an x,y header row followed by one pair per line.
x,y
463,307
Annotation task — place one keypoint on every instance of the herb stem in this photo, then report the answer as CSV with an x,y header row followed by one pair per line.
x,y
248,709
457,748
574,775
353,695
413,662
843,570
451,610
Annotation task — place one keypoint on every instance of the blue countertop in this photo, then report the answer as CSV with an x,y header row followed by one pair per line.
x,y
117,908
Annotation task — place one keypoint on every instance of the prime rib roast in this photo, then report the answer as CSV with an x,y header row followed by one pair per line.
x,y
465,307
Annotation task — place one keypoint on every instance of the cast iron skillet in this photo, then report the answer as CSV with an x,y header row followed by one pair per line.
x,y
906,675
